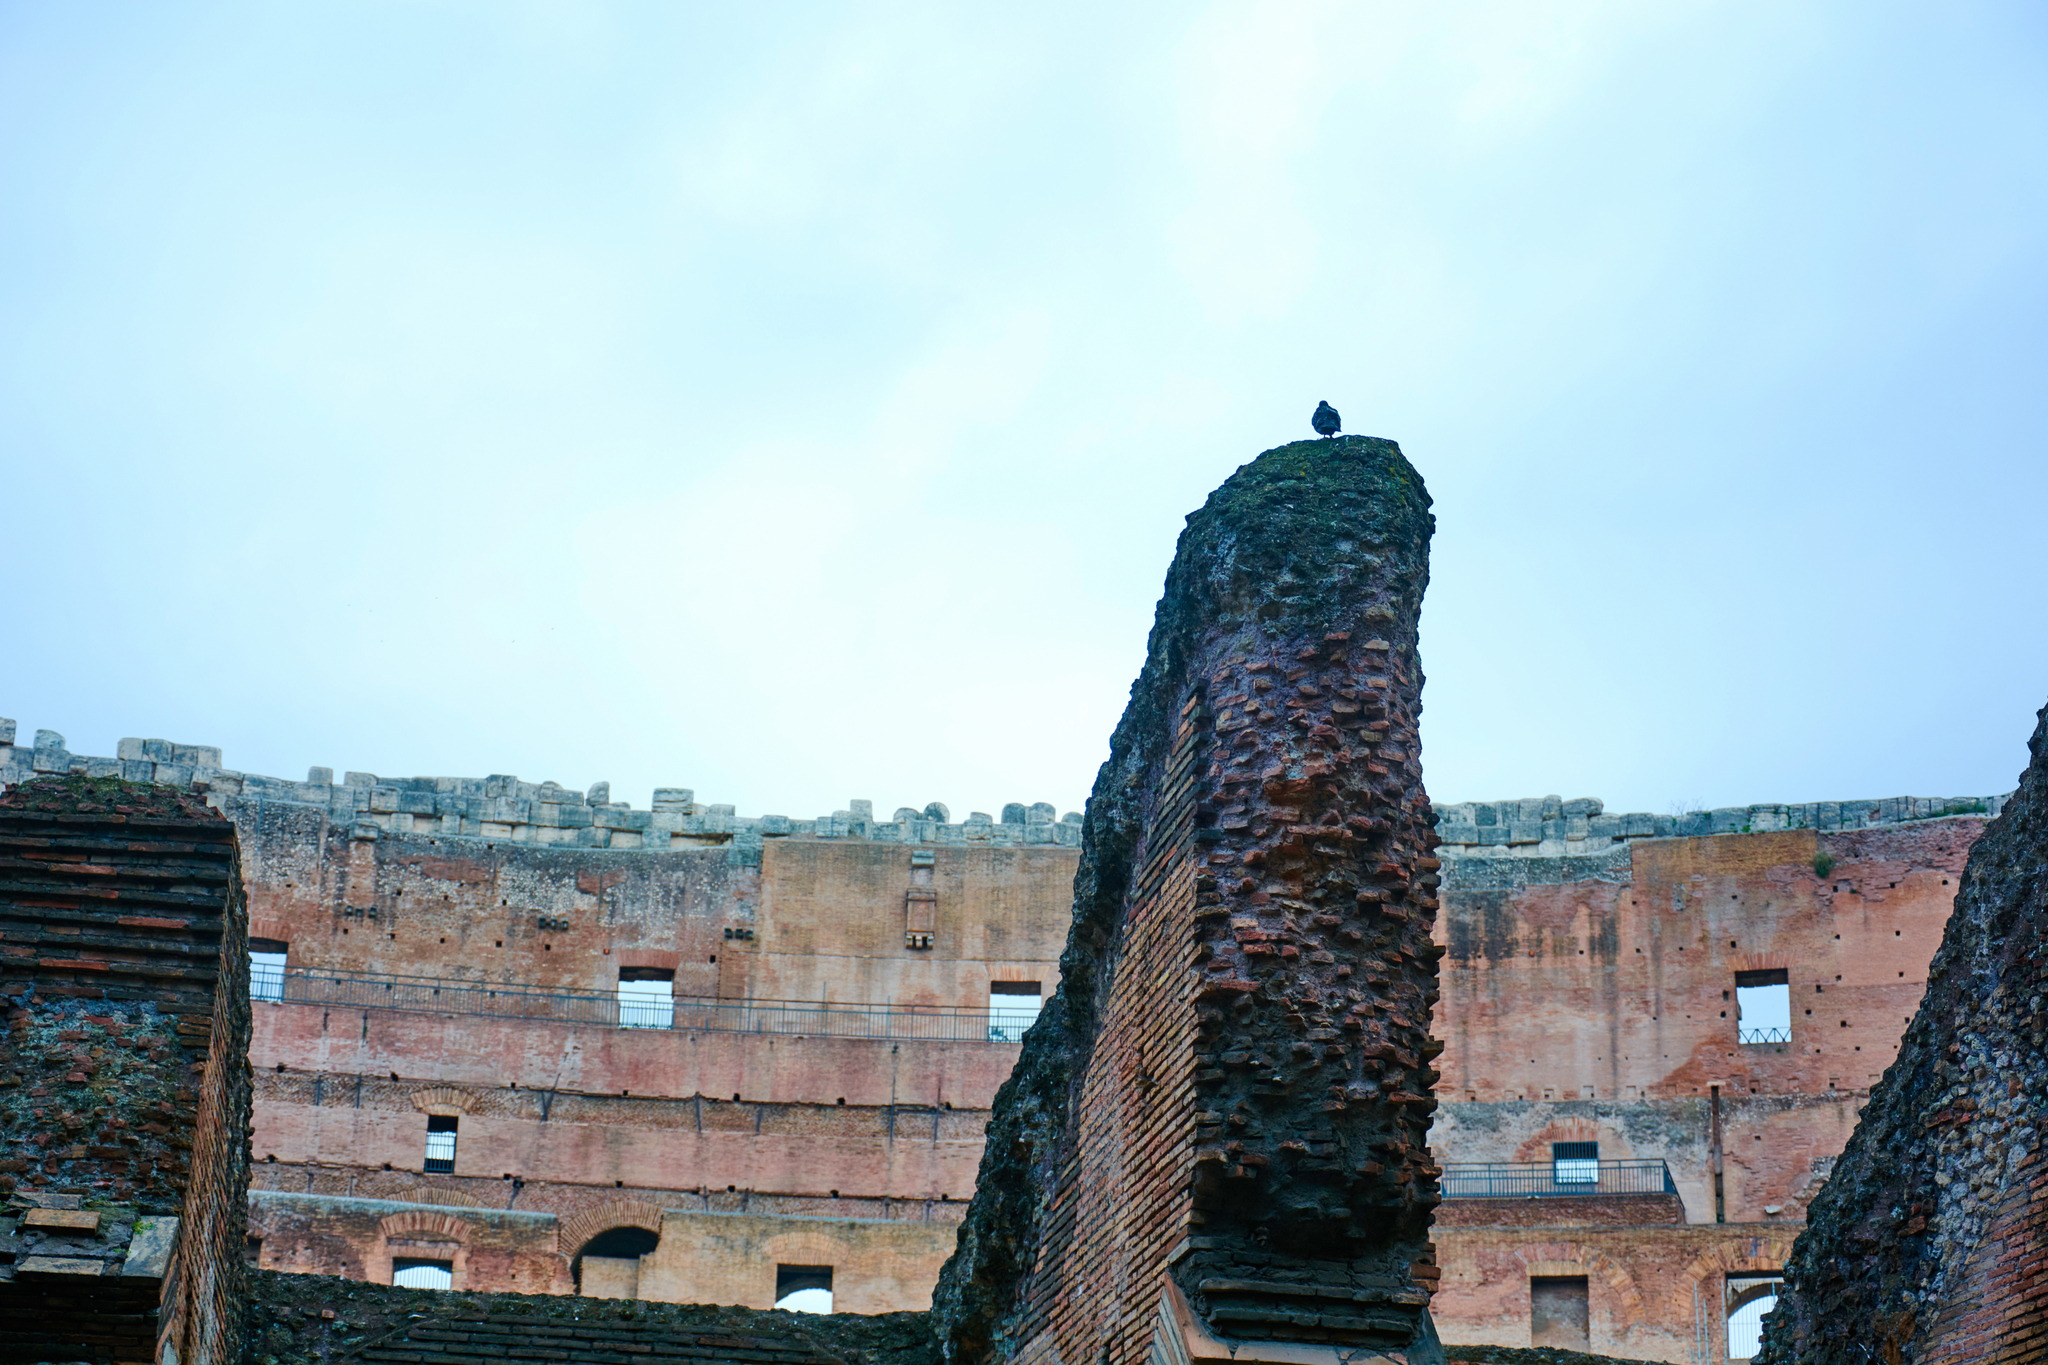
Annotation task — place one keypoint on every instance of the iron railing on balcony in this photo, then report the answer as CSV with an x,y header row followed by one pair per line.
x,y
442,995
1762,1035
1554,1179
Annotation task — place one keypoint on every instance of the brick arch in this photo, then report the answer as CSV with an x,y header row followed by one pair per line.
x,y
805,1248
578,1228
431,1194
271,927
443,1101
1754,1255
424,1223
1575,1258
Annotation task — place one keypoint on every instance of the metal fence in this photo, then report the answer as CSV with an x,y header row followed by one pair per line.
x,y
1762,1035
1554,1179
440,995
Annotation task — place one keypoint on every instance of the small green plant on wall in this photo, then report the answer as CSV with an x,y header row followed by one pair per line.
x,y
1823,863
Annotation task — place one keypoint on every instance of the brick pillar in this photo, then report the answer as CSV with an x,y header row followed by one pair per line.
x,y
1220,1135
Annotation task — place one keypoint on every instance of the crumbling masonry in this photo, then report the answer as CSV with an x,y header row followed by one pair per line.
x,y
1215,1137
124,1075
1929,1243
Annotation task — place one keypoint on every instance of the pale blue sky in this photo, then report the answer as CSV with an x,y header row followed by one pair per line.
x,y
800,402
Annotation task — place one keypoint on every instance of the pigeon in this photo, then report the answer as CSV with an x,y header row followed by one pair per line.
x,y
1326,421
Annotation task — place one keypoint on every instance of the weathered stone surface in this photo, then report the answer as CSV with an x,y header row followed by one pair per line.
x,y
1530,1355
1929,1242
1237,1060
302,1319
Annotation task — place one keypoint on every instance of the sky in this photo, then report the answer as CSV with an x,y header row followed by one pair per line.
x,y
798,403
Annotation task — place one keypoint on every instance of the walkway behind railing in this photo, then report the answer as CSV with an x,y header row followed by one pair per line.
x,y
1554,1179
440,995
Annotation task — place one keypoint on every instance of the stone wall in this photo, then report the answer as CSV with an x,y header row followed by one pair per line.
x,y
1929,1242
1223,1109
124,1082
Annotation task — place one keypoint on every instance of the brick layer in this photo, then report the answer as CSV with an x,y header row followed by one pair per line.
x,y
124,1075
1286,637
303,1319
1120,1200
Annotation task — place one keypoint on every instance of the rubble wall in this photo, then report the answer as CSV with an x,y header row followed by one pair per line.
x,y
1929,1242
1232,1085
124,1076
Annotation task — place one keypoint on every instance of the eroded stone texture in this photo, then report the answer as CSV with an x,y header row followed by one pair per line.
x,y
1233,1081
1929,1242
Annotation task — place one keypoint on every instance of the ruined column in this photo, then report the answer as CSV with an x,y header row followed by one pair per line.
x,y
1929,1242
1214,1144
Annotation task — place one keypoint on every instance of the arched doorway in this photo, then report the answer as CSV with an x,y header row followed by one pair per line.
x,y
608,1265
1748,1299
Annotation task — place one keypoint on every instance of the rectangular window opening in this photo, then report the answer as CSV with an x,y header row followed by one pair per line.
x,y
647,997
1575,1163
803,1288
411,1273
1559,1312
1013,1007
266,968
440,1145
1763,1007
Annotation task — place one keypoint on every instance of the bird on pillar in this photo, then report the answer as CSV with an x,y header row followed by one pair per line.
x,y
1326,421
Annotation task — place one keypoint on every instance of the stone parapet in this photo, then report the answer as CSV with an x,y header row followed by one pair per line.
x,y
502,808
1551,827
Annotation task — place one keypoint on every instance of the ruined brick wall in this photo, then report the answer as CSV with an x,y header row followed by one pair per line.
x,y
1653,1292
315,1320
566,1117
1256,860
124,1085
1628,960
1926,1242
1588,998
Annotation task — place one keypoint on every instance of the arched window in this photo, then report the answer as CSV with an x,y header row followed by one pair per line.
x,y
1750,1297
413,1273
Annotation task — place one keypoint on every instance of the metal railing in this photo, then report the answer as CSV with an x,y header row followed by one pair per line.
x,y
1762,1035
442,995
1554,1179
